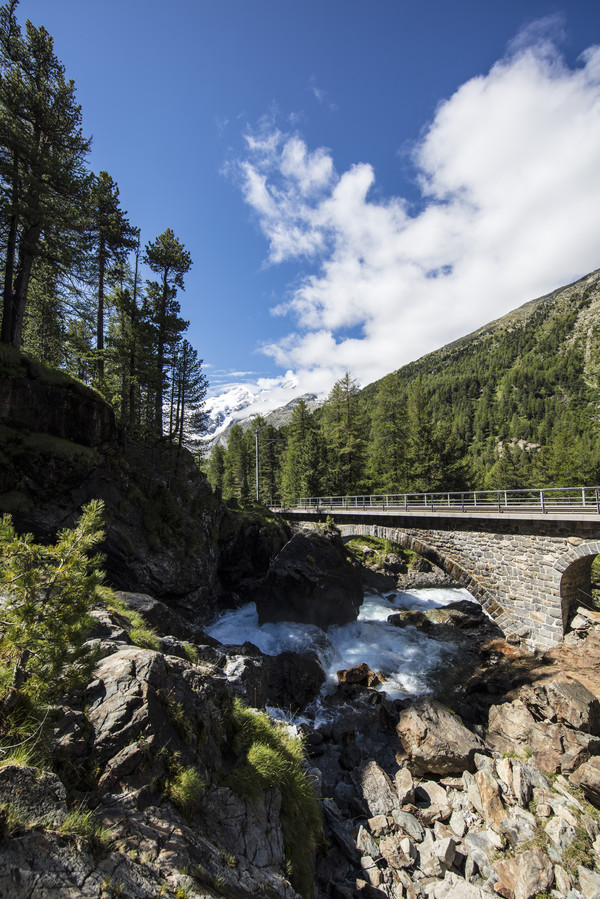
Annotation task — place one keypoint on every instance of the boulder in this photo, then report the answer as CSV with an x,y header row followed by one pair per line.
x,y
587,778
37,796
311,581
435,739
378,790
524,876
293,679
359,676
575,705
158,615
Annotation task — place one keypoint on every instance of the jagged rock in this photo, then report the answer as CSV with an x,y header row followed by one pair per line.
x,y
311,581
249,830
378,825
409,824
562,880
293,679
359,675
377,790
435,739
587,778
454,887
519,826
575,705
341,832
432,802
492,809
38,796
246,549
365,843
247,674
158,615
526,778
561,833
523,876
392,850
404,785
457,823
370,870
589,882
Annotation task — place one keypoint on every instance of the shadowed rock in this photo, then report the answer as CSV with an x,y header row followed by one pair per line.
x,y
311,581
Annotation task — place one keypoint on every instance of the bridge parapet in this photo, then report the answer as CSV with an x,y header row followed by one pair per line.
x,y
529,571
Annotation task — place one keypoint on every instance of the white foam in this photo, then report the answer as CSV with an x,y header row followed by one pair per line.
x,y
405,656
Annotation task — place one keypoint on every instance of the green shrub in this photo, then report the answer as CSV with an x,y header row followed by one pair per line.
x,y
273,758
46,593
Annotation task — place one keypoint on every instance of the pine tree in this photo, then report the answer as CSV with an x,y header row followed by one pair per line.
x,y
48,593
189,389
344,432
303,462
169,259
238,466
388,441
111,236
43,180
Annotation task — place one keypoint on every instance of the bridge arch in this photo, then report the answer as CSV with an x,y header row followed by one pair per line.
x,y
574,570
450,566
527,569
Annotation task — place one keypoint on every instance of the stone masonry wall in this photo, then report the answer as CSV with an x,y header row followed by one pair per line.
x,y
527,581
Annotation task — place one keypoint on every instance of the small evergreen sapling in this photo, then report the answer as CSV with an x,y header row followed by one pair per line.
x,y
46,593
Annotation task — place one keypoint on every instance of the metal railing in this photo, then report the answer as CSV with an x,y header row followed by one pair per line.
x,y
550,499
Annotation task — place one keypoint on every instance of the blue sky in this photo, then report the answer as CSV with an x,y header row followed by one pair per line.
x,y
385,175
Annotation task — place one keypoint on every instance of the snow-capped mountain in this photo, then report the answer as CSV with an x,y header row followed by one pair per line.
x,y
241,404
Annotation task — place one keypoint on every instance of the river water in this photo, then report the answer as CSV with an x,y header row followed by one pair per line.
x,y
410,661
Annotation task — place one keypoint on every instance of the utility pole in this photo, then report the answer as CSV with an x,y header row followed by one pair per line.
x,y
256,433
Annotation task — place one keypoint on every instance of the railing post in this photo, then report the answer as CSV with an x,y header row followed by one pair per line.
x,y
462,502
406,502
583,496
542,501
499,504
597,502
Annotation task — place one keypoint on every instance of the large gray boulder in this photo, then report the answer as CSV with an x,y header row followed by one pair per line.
x,y
435,739
311,581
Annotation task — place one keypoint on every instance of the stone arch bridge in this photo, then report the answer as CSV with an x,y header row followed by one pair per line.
x,y
529,569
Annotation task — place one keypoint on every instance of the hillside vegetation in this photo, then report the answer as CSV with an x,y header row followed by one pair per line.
x,y
514,404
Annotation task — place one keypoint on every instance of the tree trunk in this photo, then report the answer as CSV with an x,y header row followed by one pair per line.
x,y
100,313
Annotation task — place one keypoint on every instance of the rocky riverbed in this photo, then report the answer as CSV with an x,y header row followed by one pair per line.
x,y
155,782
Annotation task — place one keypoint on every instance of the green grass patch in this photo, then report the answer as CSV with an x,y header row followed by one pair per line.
x,y
82,824
185,788
273,758
140,633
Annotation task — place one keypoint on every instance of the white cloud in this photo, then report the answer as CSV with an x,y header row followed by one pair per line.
x,y
509,175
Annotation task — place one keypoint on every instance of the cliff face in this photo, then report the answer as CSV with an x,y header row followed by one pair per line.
x,y
60,447
47,402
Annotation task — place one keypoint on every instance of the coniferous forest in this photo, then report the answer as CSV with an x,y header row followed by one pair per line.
x,y
82,291
514,405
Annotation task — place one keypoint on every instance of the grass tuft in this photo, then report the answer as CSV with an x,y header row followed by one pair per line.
x,y
273,758
186,789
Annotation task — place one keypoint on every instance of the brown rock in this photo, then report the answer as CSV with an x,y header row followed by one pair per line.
x,y
523,876
436,740
587,777
575,705
359,675
491,803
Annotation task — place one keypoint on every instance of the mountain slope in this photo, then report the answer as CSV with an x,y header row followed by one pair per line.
x,y
524,378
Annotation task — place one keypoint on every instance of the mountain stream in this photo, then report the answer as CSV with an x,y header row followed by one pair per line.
x,y
411,661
